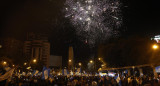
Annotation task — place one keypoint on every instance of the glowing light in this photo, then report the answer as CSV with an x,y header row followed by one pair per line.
x,y
79,64
4,63
70,60
100,69
156,38
103,74
34,60
80,18
111,74
25,63
91,61
155,46
94,19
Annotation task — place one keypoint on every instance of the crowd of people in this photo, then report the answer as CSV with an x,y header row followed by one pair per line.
x,y
18,78
81,81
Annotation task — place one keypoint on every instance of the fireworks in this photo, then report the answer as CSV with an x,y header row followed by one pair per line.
x,y
94,19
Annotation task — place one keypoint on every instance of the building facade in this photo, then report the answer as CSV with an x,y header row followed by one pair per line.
x,y
11,48
37,47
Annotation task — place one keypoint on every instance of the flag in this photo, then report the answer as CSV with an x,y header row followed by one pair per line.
x,y
7,75
64,72
7,68
157,69
45,73
78,71
23,73
39,74
35,72
126,71
117,78
71,73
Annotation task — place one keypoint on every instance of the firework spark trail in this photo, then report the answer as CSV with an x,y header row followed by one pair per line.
x,y
94,19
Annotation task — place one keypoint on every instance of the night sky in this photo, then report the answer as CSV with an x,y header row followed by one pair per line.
x,y
140,17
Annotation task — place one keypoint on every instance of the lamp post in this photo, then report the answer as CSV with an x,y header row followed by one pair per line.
x,y
70,61
155,46
99,59
80,64
25,63
91,61
34,63
34,60
92,64
4,63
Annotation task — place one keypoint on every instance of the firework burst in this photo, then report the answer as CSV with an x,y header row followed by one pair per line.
x,y
94,19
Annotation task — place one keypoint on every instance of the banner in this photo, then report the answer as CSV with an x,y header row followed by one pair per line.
x,y
64,72
71,73
7,68
35,72
117,78
7,75
158,69
79,70
45,73
126,71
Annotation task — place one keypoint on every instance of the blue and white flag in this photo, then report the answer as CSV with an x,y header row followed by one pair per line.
x,y
126,71
117,78
35,72
23,73
71,73
78,71
64,72
7,75
45,73
157,69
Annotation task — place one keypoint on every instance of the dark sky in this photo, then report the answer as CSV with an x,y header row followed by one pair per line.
x,y
142,17
20,16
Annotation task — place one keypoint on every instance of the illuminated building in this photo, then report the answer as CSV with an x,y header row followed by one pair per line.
x,y
37,47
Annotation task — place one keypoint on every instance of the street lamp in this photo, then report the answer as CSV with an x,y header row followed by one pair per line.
x,y
155,46
34,60
79,64
4,63
25,63
91,61
70,60
102,65
99,69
